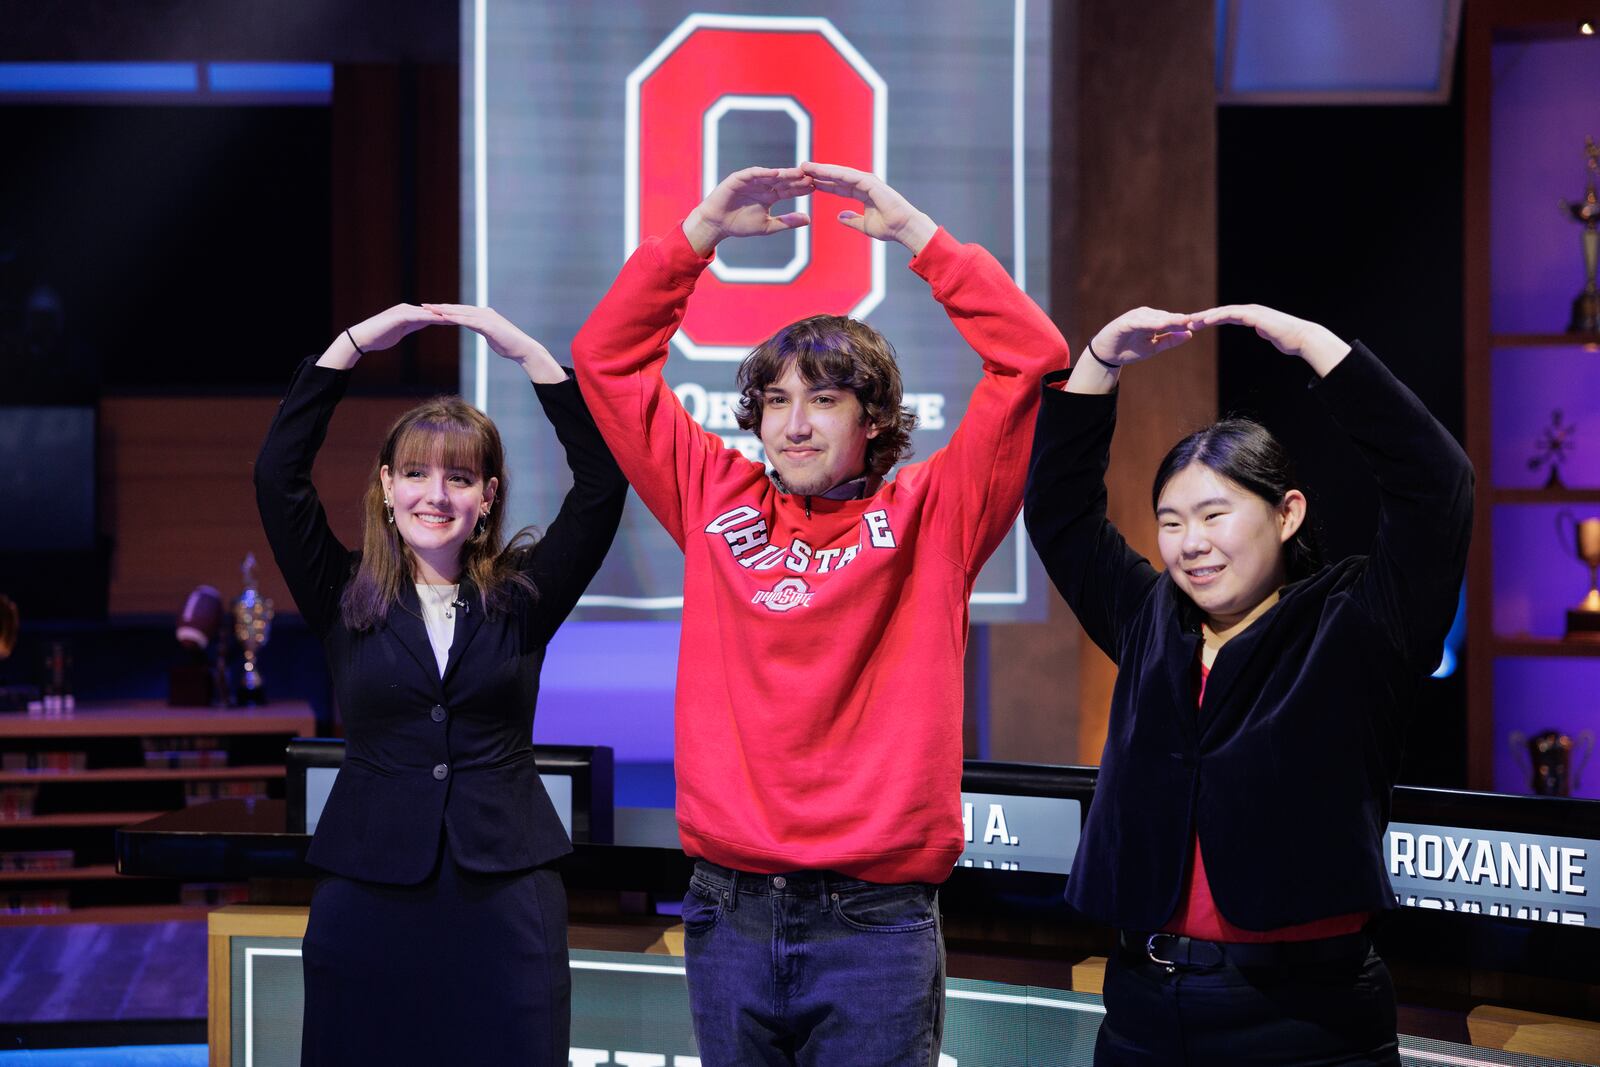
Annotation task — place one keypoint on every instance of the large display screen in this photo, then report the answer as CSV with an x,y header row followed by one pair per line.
x,y
587,127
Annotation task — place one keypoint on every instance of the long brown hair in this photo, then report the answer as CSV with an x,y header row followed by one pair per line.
x,y
835,352
452,433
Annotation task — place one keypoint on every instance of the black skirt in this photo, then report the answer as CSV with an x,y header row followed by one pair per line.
x,y
464,968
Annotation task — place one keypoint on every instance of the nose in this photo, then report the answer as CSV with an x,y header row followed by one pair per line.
x,y
798,426
1195,542
437,491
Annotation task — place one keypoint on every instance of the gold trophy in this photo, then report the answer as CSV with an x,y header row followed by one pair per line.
x,y
252,622
1583,621
1586,308
1548,756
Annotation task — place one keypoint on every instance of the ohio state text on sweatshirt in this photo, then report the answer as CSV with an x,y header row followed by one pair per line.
x,y
819,691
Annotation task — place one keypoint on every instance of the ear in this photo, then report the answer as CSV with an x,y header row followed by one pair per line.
x,y
387,481
1291,515
490,490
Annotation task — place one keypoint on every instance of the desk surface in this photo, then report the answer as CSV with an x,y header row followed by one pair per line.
x,y
243,839
156,719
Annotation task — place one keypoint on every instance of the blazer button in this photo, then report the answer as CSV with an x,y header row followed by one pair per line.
x,y
440,770
437,714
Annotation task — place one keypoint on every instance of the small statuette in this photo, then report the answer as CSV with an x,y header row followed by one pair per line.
x,y
1553,448
252,623
1586,212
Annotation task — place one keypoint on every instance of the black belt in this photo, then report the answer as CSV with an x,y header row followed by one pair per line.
x,y
1175,950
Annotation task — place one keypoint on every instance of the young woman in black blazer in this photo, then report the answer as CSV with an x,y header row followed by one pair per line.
x,y
1235,839
440,934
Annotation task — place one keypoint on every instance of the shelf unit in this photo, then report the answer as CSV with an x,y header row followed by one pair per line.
x,y
1515,298
78,808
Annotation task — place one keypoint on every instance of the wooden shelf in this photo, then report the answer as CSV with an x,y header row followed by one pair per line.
x,y
152,718
126,913
1587,341
79,818
1544,496
99,872
142,774
1544,646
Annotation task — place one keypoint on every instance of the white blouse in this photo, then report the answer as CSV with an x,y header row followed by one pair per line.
x,y
439,613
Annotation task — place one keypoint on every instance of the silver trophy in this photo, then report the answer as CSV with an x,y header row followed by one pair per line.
x,y
252,622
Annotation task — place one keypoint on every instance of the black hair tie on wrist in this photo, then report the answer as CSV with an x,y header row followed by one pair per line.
x,y
359,352
1088,347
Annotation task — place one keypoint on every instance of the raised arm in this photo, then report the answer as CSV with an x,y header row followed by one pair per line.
x,y
974,484
575,543
1412,581
620,351
313,561
1102,579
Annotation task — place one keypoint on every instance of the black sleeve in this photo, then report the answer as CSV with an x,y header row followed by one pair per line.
x,y
573,547
1064,506
1413,576
311,558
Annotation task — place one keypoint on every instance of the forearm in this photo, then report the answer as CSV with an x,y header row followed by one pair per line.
x,y
1323,350
342,354
1000,321
1091,377
309,555
1064,507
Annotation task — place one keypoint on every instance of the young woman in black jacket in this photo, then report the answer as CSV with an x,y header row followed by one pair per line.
x,y
1235,839
440,934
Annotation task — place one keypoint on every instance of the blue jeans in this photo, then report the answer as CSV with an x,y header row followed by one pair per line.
x,y
813,968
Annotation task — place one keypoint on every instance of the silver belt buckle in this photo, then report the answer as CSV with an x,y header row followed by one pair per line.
x,y
1150,951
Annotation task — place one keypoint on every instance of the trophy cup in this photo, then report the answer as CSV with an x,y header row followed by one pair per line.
x,y
1586,308
1583,621
252,621
1548,757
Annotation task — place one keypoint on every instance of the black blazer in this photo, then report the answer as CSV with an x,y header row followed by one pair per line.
x,y
425,753
1287,767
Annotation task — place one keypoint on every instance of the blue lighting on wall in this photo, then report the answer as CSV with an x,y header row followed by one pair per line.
x,y
99,78
172,83
270,77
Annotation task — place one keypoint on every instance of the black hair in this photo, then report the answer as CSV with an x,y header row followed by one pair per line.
x,y
1244,452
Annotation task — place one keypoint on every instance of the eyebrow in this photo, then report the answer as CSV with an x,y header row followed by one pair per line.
x,y
773,390
1216,501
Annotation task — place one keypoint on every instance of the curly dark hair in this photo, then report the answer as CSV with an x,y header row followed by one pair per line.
x,y
834,352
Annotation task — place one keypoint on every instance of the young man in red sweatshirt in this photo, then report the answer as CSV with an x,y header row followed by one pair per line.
x,y
819,690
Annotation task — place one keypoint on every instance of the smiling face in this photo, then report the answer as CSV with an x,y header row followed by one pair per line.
x,y
1223,544
437,506
815,435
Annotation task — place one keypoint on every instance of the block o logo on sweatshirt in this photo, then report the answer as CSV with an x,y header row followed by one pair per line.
x,y
804,69
789,593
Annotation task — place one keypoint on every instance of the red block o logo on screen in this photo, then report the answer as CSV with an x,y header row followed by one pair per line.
x,y
803,68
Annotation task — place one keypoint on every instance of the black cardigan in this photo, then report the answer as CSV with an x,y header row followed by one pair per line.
x,y
425,753
1286,769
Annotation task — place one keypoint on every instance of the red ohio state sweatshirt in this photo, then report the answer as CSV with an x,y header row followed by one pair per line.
x,y
819,691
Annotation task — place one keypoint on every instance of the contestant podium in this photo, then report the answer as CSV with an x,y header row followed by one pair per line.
x,y
1492,949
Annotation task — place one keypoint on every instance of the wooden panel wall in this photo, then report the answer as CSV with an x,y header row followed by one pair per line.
x,y
179,503
1135,160
176,487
